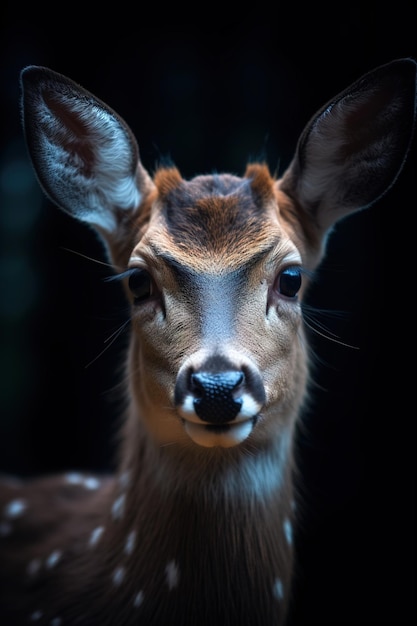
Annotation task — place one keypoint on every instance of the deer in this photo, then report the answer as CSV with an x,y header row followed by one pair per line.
x,y
196,526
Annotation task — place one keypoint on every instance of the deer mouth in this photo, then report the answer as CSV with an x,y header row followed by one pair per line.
x,y
222,435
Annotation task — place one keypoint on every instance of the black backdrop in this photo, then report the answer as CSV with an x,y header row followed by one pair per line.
x,y
211,95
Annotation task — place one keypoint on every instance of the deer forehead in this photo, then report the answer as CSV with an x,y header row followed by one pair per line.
x,y
216,223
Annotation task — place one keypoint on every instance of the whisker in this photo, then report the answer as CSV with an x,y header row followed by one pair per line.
x,y
109,341
117,332
310,315
328,335
89,258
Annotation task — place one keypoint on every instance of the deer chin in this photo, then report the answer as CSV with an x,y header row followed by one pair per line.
x,y
224,436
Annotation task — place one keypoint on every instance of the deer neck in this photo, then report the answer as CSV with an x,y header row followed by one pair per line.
x,y
211,521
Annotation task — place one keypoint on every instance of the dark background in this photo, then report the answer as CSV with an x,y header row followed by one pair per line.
x,y
211,95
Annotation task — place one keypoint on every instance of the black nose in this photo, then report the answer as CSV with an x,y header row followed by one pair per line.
x,y
213,395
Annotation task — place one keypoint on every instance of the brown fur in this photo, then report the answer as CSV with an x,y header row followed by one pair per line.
x,y
197,525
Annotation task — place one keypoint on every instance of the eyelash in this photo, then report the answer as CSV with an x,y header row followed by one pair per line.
x,y
140,283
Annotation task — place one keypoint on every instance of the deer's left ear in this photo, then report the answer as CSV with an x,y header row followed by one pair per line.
x,y
352,150
85,156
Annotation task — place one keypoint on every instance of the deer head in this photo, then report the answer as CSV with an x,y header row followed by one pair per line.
x,y
215,269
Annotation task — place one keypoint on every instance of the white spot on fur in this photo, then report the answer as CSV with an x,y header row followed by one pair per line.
x,y
33,567
118,507
130,542
15,508
74,478
288,530
278,589
91,483
5,529
118,576
138,599
172,575
36,615
124,480
53,559
95,536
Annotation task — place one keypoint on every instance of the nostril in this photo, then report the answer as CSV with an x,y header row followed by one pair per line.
x,y
213,395
214,384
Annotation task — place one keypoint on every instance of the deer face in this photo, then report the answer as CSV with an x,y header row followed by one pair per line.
x,y
215,265
214,283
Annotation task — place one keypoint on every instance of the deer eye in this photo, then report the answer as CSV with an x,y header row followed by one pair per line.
x,y
289,282
141,285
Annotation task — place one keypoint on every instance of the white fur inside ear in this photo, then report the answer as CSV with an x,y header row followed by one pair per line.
x,y
87,159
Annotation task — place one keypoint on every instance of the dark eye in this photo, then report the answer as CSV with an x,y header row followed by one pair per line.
x,y
141,285
289,282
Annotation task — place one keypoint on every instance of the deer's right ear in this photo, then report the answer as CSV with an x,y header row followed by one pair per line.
x,y
84,154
